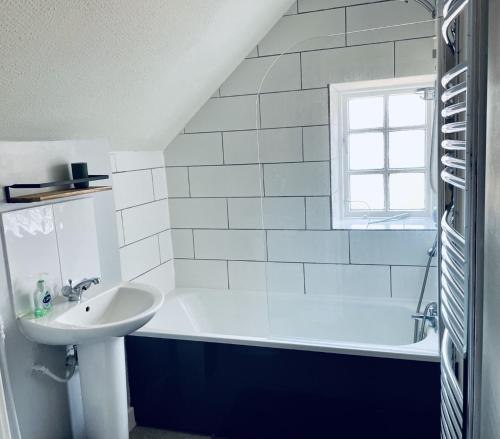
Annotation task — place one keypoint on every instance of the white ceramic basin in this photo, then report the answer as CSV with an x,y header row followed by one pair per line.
x,y
112,313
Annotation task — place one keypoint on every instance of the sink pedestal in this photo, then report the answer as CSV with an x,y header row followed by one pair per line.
x,y
104,388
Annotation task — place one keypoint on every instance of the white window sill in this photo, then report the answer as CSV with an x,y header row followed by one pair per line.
x,y
369,224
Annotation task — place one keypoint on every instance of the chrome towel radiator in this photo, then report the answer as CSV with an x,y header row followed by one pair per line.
x,y
461,196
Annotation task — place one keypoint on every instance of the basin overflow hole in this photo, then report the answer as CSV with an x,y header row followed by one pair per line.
x,y
87,308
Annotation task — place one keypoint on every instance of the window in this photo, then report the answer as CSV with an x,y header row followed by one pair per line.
x,y
380,149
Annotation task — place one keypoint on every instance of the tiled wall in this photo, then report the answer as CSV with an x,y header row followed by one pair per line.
x,y
142,215
224,234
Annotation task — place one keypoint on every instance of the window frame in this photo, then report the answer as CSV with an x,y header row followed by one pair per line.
x,y
339,131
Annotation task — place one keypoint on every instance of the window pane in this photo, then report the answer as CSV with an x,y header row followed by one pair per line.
x,y
407,149
366,112
407,191
366,151
406,110
367,192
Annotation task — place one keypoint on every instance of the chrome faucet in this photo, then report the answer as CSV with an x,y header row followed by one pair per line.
x,y
74,293
429,317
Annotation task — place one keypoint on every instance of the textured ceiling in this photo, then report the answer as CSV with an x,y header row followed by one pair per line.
x,y
132,71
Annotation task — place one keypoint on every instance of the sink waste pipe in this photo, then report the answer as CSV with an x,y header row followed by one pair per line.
x,y
71,364
9,425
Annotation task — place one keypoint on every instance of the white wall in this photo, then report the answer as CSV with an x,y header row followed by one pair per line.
x,y
41,404
142,215
223,237
131,71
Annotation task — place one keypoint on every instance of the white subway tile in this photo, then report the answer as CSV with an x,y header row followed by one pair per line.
x,y
308,246
160,183
267,213
230,244
139,257
285,278
191,273
145,220
391,247
223,114
294,108
249,75
361,63
274,146
166,250
348,280
407,283
225,181
161,277
195,149
317,5
295,33
177,182
134,160
272,277
206,213
119,229
316,143
247,275
318,213
132,188
415,57
384,14
295,179
182,243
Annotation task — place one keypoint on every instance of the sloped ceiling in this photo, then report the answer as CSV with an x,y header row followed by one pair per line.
x,y
132,71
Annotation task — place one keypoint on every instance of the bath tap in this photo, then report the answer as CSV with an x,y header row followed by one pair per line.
x,y
429,317
74,293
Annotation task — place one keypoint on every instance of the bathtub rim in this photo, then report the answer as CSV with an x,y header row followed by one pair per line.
x,y
426,350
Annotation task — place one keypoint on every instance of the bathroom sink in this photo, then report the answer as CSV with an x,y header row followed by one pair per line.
x,y
112,313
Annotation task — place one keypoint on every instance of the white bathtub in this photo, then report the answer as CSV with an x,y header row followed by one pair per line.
x,y
357,326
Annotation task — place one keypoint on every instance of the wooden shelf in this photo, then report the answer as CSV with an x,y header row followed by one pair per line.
x,y
54,195
68,191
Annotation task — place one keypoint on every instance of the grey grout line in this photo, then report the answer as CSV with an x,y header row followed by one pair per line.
x,y
344,47
222,145
345,26
394,59
126,244
248,164
300,66
123,229
143,204
227,275
227,212
305,213
189,181
252,129
137,170
151,269
302,136
344,264
282,229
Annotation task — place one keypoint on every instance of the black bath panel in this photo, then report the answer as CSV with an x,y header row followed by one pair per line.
x,y
247,392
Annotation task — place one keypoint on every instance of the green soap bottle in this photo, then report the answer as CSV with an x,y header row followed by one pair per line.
x,y
42,299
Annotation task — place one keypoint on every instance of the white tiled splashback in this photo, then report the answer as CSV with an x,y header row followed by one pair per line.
x,y
57,241
251,209
142,215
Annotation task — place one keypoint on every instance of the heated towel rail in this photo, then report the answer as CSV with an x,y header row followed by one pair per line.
x,y
462,72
